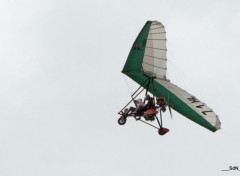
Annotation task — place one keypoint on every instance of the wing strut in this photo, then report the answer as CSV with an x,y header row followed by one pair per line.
x,y
134,95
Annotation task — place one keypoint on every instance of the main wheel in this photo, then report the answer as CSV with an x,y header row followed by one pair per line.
x,y
163,131
122,120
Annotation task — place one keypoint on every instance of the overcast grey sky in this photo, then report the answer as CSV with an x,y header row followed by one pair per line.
x,y
61,88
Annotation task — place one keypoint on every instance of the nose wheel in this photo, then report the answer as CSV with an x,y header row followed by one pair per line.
x,y
122,120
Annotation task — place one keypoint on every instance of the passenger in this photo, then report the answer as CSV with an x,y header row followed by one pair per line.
x,y
136,110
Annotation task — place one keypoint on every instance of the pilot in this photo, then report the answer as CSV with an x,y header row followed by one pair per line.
x,y
150,103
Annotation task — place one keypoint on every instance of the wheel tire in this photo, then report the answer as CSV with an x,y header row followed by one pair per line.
x,y
122,120
163,131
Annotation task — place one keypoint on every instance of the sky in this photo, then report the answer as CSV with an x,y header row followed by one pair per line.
x,y
61,88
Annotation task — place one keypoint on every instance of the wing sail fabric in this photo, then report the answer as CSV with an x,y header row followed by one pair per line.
x,y
155,59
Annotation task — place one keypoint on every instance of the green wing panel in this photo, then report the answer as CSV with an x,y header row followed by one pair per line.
x,y
133,65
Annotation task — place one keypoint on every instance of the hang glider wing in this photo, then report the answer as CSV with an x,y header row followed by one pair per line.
x,y
147,58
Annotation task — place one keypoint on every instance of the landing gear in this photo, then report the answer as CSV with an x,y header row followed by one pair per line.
x,y
162,131
122,120
147,113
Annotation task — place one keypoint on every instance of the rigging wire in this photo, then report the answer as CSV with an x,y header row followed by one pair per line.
x,y
128,86
149,124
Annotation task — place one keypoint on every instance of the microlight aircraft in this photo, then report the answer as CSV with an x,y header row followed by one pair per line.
x,y
147,65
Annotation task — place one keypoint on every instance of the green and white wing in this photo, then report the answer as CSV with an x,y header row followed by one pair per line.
x,y
147,58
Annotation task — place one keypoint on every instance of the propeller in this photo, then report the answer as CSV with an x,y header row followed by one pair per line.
x,y
170,110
